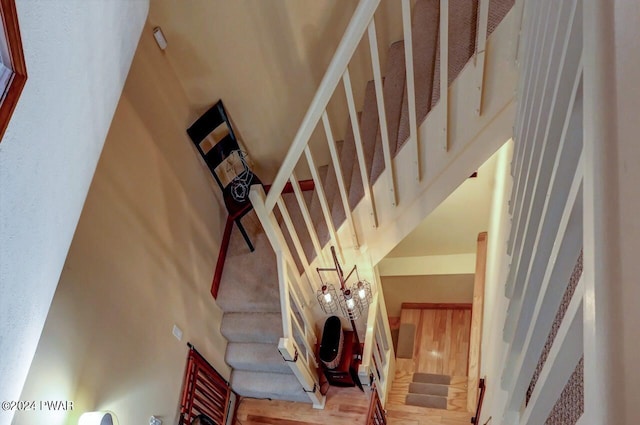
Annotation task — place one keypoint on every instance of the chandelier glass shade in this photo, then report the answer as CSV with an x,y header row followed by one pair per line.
x,y
328,299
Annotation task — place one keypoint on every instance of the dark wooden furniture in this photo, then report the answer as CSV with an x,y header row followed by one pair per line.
x,y
204,392
346,372
215,140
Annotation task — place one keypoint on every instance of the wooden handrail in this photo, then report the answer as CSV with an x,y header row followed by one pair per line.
x,y
482,387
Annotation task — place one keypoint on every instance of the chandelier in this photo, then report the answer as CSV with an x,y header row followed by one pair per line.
x,y
352,300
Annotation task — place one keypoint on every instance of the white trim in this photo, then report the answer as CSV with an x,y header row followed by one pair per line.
x,y
322,197
567,74
481,45
304,209
357,139
382,113
333,150
444,71
411,88
605,393
284,211
524,96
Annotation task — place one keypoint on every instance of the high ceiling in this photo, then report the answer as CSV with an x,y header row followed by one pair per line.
x,y
453,227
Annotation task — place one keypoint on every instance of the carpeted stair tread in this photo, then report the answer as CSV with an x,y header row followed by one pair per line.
x,y
240,288
432,378
424,29
426,58
331,181
356,188
317,215
393,90
259,327
255,357
276,386
429,389
370,122
429,401
295,212
348,162
498,9
249,293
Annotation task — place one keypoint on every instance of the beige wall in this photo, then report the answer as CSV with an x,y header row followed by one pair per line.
x,y
455,288
265,59
141,261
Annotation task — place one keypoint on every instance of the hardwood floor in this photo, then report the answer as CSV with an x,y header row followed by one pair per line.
x,y
441,346
441,340
345,406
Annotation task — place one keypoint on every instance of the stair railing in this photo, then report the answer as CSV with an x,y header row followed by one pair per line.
x,y
303,286
476,418
544,324
378,356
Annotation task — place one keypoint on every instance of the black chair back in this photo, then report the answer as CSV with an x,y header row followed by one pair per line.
x,y
223,143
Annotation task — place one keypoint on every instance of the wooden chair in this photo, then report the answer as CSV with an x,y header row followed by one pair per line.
x,y
213,136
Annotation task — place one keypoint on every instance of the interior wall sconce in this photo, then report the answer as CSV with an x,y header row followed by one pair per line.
x,y
98,418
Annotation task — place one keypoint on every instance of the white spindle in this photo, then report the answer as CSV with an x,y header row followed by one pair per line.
x,y
444,71
367,364
305,313
306,215
568,75
481,44
296,240
357,138
540,114
352,36
565,353
524,97
339,177
411,90
382,114
539,62
322,197
523,356
519,9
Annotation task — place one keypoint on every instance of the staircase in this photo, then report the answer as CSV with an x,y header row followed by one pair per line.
x,y
365,194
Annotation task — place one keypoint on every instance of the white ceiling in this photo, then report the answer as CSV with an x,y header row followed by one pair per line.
x,y
453,227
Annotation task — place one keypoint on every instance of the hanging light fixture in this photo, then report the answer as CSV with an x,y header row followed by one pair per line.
x,y
362,290
328,299
353,301
350,305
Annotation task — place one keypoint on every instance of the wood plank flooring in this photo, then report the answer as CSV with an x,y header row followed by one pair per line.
x,y
441,340
441,346
345,406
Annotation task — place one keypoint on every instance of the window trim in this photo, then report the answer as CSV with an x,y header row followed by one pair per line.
x,y
18,78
